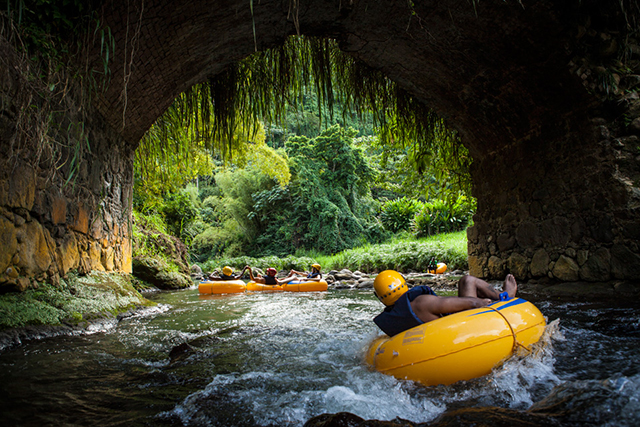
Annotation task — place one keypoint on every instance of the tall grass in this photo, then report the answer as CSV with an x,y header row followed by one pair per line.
x,y
404,253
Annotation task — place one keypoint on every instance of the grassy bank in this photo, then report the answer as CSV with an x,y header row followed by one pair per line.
x,y
404,254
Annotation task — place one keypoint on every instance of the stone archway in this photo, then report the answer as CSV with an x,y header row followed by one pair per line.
x,y
555,186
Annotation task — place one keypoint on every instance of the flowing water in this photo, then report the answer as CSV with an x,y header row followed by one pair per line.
x,y
281,358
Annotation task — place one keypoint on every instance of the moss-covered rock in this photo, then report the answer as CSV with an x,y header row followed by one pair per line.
x,y
158,273
76,300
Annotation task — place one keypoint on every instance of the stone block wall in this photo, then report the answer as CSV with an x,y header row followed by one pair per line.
x,y
65,180
567,209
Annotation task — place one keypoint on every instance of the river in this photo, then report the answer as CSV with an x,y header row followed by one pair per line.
x,y
281,358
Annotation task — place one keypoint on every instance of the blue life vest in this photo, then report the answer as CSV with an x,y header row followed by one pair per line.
x,y
399,317
312,275
225,277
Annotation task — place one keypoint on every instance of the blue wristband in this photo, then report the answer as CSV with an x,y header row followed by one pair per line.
x,y
504,296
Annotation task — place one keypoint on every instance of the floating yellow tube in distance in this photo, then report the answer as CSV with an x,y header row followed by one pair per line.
x,y
293,286
221,287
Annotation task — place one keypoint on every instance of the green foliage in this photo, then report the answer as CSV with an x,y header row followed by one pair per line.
x,y
397,215
405,255
438,216
325,206
279,263
180,210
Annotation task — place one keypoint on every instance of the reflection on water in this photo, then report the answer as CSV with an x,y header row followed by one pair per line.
x,y
282,358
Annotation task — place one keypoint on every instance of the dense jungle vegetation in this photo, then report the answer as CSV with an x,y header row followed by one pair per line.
x,y
317,185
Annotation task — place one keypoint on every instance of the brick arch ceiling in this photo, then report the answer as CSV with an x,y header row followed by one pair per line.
x,y
497,76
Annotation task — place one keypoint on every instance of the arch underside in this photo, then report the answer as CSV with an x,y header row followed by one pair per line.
x,y
556,198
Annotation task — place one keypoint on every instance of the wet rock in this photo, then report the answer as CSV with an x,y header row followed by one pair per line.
x,y
365,284
492,417
155,272
339,285
180,352
343,274
341,419
196,273
478,417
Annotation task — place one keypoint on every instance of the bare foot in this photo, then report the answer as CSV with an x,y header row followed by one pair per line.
x,y
510,285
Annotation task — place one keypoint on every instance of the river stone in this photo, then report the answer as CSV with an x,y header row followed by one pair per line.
x,y
340,285
566,269
343,274
365,284
540,263
597,267
180,352
172,280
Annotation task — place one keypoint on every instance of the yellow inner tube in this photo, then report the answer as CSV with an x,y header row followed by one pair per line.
x,y
293,286
222,287
460,346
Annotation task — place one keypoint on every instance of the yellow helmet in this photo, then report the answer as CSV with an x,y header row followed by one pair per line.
x,y
316,266
388,286
227,271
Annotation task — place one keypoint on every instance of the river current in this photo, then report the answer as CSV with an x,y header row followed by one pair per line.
x,y
272,359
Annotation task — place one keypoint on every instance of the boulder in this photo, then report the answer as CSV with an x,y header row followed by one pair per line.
x,y
365,284
155,272
343,274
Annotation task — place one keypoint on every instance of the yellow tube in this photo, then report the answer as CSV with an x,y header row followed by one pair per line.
x,y
222,287
293,286
460,346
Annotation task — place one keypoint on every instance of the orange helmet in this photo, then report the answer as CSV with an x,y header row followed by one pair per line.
x,y
271,271
388,286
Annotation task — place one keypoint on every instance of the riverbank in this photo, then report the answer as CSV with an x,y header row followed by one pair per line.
x,y
74,305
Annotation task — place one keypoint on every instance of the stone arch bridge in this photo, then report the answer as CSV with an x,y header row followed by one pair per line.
x,y
538,90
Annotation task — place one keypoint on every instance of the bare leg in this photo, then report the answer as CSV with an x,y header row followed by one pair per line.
x,y
470,286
